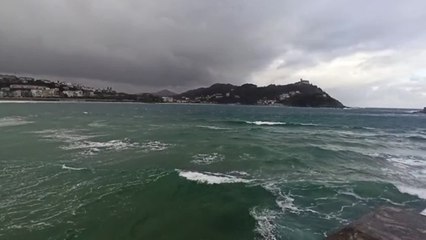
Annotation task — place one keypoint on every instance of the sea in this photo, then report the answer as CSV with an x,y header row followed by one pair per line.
x,y
75,170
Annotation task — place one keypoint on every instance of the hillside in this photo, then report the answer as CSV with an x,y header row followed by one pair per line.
x,y
164,93
300,94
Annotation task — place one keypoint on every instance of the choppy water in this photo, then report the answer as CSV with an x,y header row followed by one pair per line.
x,y
140,171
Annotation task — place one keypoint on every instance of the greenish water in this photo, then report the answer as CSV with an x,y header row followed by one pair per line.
x,y
141,171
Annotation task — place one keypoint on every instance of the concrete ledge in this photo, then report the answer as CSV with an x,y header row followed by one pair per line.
x,y
386,223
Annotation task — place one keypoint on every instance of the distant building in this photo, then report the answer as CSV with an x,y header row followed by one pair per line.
x,y
304,81
71,94
167,99
36,93
17,93
26,87
284,96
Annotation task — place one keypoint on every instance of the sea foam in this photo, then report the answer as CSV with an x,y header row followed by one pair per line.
x,y
72,168
265,222
272,123
13,121
207,159
210,178
419,192
213,127
260,123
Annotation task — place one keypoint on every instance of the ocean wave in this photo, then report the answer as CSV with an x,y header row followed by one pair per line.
x,y
72,168
207,159
210,178
154,146
265,222
213,127
13,121
97,124
266,123
419,192
73,140
117,145
417,138
423,212
271,123
284,201
64,135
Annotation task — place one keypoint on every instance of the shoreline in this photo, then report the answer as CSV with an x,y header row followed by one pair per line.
x,y
69,100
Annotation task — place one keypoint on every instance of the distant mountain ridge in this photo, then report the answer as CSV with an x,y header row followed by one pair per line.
x,y
300,94
164,93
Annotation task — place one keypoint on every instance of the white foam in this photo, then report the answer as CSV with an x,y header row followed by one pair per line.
x,y
419,192
207,159
154,146
13,121
64,135
72,168
213,127
97,124
260,123
423,212
241,173
210,178
117,145
265,225
284,201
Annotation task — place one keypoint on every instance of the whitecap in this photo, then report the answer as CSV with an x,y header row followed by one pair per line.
x,y
97,124
415,191
210,178
260,123
13,121
154,146
241,173
213,127
64,135
265,222
284,201
423,212
72,168
117,145
207,159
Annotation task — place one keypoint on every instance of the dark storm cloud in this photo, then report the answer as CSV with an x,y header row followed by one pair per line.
x,y
191,42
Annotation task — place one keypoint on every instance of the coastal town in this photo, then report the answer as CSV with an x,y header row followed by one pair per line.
x,y
27,88
301,93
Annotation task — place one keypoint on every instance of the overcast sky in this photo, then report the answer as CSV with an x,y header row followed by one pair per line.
x,y
363,52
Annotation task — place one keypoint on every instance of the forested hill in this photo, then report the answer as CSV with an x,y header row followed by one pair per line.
x,y
300,94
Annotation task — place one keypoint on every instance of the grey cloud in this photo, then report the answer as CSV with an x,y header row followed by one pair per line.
x,y
187,43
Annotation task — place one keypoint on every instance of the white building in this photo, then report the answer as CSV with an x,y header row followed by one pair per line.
x,y
284,96
167,99
36,93
77,93
17,93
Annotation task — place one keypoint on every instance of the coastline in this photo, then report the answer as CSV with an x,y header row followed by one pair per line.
x,y
106,100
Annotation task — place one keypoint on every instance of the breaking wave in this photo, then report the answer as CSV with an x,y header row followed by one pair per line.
x,y
210,178
419,192
265,222
72,168
213,127
85,143
272,123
